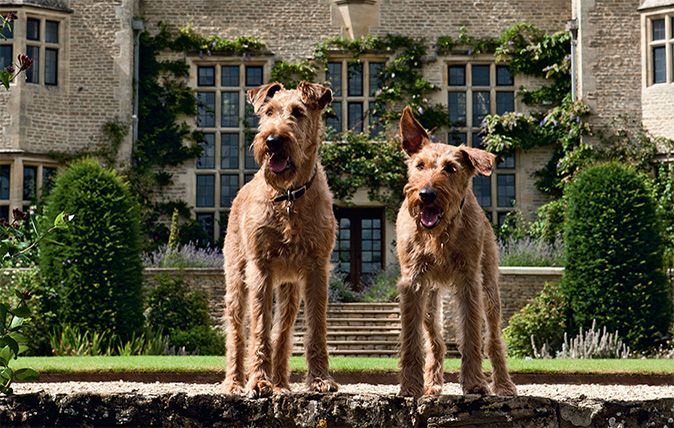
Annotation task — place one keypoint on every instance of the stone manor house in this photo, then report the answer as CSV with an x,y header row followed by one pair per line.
x,y
84,54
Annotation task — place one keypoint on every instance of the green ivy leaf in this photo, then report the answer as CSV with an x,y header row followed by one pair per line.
x,y
26,373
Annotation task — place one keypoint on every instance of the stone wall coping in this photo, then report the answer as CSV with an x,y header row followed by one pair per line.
x,y
531,270
199,270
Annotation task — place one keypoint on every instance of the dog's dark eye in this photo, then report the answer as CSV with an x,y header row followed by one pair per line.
x,y
269,112
297,113
449,169
420,166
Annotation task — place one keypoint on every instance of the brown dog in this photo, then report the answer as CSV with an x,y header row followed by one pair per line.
x,y
445,241
280,234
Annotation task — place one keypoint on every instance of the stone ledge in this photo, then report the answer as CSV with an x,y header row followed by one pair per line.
x,y
325,410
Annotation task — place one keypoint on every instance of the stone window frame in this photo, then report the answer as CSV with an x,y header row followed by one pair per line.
x,y
667,42
40,185
341,97
505,168
214,218
20,42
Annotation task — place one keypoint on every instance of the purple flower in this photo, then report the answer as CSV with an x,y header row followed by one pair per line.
x,y
10,16
10,69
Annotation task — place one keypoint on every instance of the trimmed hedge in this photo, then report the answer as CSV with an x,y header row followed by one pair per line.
x,y
614,256
92,269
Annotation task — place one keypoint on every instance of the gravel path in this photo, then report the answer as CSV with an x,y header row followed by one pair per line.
x,y
557,392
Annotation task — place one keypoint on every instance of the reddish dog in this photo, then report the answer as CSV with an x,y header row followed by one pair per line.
x,y
446,242
280,235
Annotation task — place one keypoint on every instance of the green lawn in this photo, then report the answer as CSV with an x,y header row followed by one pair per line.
x,y
340,364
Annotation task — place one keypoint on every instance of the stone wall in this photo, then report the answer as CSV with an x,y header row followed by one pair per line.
x,y
518,287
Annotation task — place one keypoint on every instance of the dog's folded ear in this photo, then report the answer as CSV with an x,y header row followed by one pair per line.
x,y
414,135
260,95
480,160
314,95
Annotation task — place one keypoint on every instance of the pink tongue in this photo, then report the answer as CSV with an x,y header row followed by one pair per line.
x,y
430,216
278,163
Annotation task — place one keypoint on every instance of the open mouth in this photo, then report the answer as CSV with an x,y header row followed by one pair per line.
x,y
429,217
279,163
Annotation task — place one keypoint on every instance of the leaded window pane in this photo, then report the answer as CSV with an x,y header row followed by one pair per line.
x,y
52,32
375,77
334,120
230,75
249,161
254,75
481,107
505,102
355,111
480,75
334,76
33,29
505,190
4,182
229,185
456,104
659,65
205,190
33,73
658,29
51,61
206,109
230,109
8,31
456,75
456,138
508,162
206,76
482,190
355,79
29,183
503,76
206,220
207,158
6,55
229,151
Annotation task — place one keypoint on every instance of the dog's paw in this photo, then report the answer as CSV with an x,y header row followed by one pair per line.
x,y
480,388
432,389
504,388
318,384
259,388
232,388
415,391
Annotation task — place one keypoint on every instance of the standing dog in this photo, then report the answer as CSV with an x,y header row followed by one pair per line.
x,y
280,234
445,241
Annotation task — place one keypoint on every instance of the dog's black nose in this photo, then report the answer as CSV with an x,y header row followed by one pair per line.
x,y
274,143
427,195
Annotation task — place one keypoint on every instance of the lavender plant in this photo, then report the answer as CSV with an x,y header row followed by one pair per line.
x,y
184,256
594,343
528,251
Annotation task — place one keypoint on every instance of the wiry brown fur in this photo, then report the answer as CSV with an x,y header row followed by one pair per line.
x,y
267,249
459,253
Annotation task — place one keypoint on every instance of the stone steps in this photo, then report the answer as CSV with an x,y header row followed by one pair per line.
x,y
360,329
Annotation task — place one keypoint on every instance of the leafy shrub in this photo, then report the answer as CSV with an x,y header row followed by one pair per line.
x,y
339,289
614,264
12,340
185,256
93,266
72,341
384,287
544,320
182,314
530,252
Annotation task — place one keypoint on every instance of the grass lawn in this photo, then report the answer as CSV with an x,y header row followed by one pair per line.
x,y
203,364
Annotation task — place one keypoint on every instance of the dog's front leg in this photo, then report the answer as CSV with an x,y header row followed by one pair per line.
x,y
315,337
469,308
261,297
412,303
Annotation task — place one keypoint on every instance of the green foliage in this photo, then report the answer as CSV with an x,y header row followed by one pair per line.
x,y
445,45
359,162
173,240
72,341
663,193
340,291
93,266
544,318
549,223
13,341
174,309
614,265
290,74
402,79
384,287
189,41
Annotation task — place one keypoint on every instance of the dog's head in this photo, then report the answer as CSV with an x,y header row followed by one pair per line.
x,y
290,129
439,174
